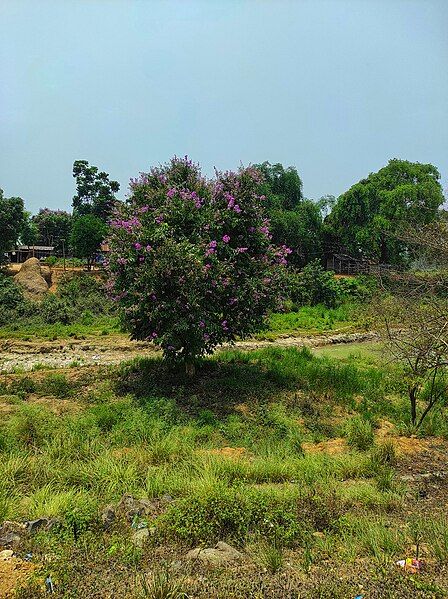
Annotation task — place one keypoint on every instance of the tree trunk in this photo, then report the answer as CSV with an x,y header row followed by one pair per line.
x,y
413,398
190,368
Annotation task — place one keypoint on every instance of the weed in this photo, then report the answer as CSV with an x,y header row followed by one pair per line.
x,y
161,585
359,433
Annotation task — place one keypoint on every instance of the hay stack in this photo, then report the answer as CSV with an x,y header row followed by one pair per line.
x,y
31,279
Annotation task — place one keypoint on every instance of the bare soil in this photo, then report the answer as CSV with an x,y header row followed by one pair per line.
x,y
16,354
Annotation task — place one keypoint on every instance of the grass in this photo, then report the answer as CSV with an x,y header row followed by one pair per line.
x,y
142,430
34,329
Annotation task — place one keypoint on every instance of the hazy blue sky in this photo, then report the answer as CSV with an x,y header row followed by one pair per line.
x,y
335,88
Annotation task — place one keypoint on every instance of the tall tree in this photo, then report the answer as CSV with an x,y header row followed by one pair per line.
x,y
366,218
54,228
281,186
95,193
87,234
12,222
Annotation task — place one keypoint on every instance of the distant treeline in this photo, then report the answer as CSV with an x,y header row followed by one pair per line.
x,y
364,222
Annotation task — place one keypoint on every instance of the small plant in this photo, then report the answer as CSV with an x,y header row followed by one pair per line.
x,y
359,433
58,385
271,556
162,585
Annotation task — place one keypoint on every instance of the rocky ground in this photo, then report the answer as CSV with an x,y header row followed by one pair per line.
x,y
16,354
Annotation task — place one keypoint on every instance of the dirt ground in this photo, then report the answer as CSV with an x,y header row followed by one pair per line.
x,y
16,354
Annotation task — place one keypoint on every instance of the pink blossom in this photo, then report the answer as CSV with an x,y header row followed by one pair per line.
x,y
237,208
138,246
202,324
226,238
171,193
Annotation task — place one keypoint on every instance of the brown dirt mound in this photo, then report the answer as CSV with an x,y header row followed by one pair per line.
x,y
31,279
14,572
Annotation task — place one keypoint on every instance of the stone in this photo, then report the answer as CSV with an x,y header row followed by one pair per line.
x,y
140,537
30,278
219,555
6,554
108,516
132,507
11,534
34,525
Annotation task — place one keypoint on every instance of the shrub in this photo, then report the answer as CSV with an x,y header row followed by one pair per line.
x,y
314,285
191,260
57,384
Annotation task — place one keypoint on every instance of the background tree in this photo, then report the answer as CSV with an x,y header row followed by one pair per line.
x,y
300,229
54,228
95,193
191,261
282,187
12,222
88,232
366,218
295,221
29,234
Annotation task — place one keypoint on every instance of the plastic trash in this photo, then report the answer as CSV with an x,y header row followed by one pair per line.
x,y
49,585
410,563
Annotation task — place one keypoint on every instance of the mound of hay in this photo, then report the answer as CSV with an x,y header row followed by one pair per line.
x,y
30,278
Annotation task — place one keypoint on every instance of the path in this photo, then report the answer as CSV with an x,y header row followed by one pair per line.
x,y
16,354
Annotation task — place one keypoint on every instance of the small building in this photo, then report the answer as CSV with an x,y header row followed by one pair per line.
x,y
23,252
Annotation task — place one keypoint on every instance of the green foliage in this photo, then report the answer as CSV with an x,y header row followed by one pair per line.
x,y
53,229
95,193
359,433
366,217
12,223
281,187
88,232
315,285
299,229
57,384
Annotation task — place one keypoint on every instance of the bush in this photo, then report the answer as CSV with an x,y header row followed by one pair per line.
x,y
315,285
57,384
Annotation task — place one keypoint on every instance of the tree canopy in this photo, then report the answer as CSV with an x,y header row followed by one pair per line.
x,y
191,261
366,218
95,193
54,228
87,234
12,223
282,187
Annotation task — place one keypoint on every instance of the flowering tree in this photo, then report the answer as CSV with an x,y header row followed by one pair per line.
x,y
191,261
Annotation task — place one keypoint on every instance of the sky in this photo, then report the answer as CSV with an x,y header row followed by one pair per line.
x,y
333,87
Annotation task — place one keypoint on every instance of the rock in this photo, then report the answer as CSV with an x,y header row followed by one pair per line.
x,y
108,516
45,271
11,533
30,278
140,537
131,507
6,554
45,523
219,555
318,535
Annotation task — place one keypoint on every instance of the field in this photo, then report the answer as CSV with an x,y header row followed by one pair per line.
x,y
301,460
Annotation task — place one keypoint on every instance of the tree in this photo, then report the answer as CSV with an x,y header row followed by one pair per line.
x,y
12,222
366,218
95,193
191,261
29,234
54,228
87,234
416,337
282,187
301,230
